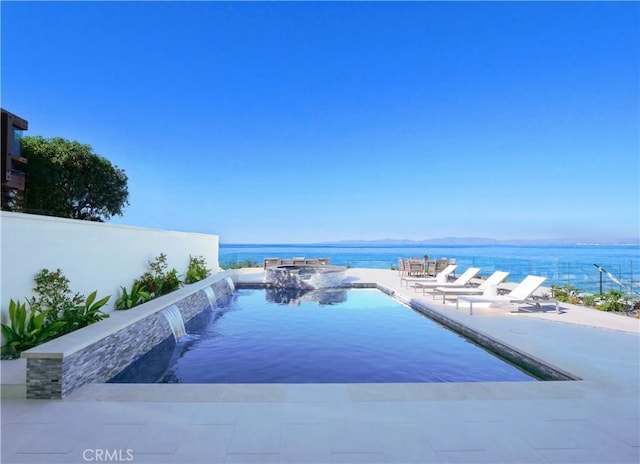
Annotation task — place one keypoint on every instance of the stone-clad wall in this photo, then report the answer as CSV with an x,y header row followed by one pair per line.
x,y
221,289
45,377
50,377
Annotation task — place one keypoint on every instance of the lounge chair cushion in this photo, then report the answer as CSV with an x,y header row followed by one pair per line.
x,y
490,290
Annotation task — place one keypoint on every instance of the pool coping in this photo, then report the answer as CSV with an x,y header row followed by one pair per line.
x,y
532,365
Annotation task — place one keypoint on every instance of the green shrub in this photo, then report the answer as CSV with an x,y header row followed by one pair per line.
x,y
27,328
53,293
53,311
158,280
170,282
567,293
86,313
135,297
590,300
613,300
147,280
54,297
197,269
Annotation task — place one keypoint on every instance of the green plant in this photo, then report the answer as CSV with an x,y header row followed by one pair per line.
x,y
27,328
53,311
170,282
567,293
85,313
54,297
613,300
53,294
197,269
135,297
157,280
590,300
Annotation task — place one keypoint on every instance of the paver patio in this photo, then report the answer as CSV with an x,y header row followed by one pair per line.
x,y
593,420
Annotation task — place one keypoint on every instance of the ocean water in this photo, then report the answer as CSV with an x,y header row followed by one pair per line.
x,y
573,265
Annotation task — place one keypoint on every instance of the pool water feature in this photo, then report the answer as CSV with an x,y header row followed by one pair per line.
x,y
211,296
353,336
174,318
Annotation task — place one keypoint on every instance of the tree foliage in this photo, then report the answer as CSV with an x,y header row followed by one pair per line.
x,y
67,179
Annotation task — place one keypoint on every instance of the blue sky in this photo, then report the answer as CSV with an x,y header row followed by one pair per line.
x,y
302,122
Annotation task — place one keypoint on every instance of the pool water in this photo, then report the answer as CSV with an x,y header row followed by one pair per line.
x,y
330,336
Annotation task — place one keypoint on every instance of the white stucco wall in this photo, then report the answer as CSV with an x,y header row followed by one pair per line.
x,y
93,256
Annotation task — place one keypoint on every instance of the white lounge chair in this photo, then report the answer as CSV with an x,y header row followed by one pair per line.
x,y
488,285
441,264
520,294
442,276
462,280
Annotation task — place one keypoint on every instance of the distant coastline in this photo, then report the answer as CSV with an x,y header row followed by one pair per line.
x,y
461,241
488,241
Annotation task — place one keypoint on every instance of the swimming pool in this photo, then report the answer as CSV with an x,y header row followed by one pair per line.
x,y
322,336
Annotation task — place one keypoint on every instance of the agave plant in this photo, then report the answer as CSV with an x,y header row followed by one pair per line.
x,y
136,296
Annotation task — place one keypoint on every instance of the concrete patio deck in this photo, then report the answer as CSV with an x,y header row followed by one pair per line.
x,y
593,420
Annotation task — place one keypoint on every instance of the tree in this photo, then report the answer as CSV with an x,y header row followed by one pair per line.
x,y
66,179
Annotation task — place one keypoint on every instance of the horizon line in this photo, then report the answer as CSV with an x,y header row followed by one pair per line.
x,y
456,241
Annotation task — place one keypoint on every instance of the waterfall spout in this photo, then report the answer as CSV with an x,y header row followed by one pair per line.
x,y
173,316
232,287
211,296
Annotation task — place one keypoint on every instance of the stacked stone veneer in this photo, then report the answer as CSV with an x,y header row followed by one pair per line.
x,y
52,375
306,276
